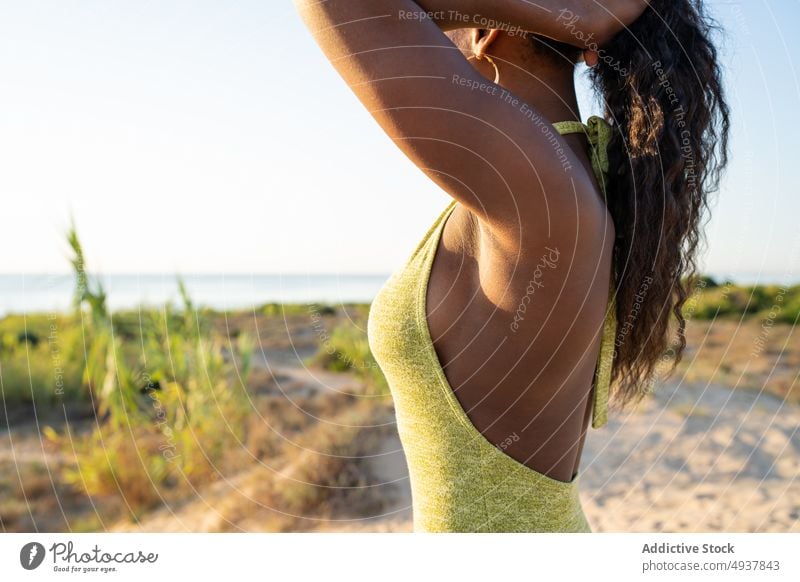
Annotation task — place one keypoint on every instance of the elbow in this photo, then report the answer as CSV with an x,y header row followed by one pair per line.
x,y
604,31
607,22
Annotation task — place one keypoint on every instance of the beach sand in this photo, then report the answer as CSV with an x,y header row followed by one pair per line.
x,y
696,456
693,458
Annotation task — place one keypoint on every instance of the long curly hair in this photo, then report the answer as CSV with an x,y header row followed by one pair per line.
x,y
661,84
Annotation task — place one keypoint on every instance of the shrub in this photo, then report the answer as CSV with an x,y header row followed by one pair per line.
x,y
347,349
46,371
172,406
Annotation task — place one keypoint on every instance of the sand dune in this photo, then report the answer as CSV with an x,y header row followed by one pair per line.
x,y
693,458
696,458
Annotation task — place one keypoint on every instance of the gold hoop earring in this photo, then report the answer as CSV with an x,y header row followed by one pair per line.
x,y
491,62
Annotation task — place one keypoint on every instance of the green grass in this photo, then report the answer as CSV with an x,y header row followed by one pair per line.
x,y
40,360
779,304
170,395
346,349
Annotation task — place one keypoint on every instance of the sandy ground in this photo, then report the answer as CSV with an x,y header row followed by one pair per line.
x,y
694,458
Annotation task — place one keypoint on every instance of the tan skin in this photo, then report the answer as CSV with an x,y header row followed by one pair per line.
x,y
515,200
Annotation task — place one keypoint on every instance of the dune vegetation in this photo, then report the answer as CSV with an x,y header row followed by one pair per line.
x,y
142,410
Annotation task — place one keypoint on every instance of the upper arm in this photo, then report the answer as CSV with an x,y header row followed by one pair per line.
x,y
494,153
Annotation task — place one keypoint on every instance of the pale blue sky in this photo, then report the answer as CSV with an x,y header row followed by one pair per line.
x,y
199,136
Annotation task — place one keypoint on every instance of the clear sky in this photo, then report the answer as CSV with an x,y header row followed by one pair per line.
x,y
199,136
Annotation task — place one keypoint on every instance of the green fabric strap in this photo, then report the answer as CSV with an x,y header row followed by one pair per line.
x,y
599,132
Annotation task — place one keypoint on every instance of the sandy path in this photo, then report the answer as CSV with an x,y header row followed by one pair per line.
x,y
696,458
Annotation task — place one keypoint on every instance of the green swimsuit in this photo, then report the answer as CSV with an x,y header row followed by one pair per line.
x,y
461,482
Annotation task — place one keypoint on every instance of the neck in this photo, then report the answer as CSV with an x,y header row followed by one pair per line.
x,y
550,91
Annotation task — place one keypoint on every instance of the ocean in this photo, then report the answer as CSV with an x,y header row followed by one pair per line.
x,y
27,293
30,293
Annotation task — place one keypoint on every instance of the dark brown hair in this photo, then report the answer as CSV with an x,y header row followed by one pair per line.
x,y
667,106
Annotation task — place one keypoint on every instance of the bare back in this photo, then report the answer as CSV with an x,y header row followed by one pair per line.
x,y
498,324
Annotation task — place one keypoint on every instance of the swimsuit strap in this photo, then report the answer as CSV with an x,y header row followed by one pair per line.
x,y
599,133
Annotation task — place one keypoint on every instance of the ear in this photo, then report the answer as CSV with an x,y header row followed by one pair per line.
x,y
482,39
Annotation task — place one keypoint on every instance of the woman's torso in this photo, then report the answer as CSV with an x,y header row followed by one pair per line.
x,y
492,394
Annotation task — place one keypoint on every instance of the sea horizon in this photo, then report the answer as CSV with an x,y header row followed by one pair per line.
x,y
53,291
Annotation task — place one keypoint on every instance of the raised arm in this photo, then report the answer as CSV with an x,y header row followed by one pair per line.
x,y
484,146
597,19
